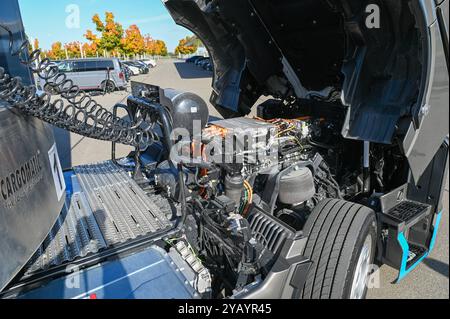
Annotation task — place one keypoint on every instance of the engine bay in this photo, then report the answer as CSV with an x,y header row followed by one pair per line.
x,y
232,196
241,188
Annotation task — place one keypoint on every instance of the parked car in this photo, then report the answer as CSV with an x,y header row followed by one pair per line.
x,y
204,62
134,69
142,67
126,70
194,58
91,74
149,62
198,61
209,66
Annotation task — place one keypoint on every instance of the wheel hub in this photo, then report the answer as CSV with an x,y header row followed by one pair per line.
x,y
362,270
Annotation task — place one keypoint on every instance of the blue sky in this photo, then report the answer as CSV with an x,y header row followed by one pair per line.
x,y
46,19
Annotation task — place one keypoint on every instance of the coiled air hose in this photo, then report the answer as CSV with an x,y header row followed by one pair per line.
x,y
73,110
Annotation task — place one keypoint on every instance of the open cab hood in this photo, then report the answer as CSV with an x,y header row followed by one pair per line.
x,y
299,49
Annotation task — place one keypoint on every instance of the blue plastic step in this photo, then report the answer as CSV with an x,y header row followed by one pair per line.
x,y
402,251
413,255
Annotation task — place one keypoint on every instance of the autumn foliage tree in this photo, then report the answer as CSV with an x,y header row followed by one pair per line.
x,y
155,47
73,49
161,48
91,49
36,44
32,45
110,36
111,33
187,45
133,41
57,51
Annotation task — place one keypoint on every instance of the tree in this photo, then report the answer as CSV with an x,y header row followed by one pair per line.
x,y
187,45
89,35
111,33
155,47
90,49
56,52
73,49
36,45
161,48
133,42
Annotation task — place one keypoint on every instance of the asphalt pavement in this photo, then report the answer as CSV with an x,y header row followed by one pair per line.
x,y
428,280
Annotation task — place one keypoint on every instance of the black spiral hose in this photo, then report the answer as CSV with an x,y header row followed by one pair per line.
x,y
74,110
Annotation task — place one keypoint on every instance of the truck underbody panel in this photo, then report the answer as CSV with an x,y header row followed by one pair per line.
x,y
147,274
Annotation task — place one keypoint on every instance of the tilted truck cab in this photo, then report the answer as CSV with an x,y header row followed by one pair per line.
x,y
343,167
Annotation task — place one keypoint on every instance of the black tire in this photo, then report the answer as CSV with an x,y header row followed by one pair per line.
x,y
337,231
108,86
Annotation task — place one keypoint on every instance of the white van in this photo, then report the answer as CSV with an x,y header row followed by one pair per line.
x,y
91,74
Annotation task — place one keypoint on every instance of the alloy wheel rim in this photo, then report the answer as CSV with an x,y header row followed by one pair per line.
x,y
362,270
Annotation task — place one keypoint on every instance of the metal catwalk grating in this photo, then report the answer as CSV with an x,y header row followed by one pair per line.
x,y
122,209
75,234
106,208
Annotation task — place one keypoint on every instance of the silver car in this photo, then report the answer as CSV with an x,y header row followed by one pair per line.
x,y
91,74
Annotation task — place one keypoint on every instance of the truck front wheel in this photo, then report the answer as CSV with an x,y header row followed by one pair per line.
x,y
341,244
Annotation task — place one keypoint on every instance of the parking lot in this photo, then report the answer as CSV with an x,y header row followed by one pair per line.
x,y
429,280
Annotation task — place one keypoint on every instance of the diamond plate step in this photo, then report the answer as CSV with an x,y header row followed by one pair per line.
x,y
106,208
